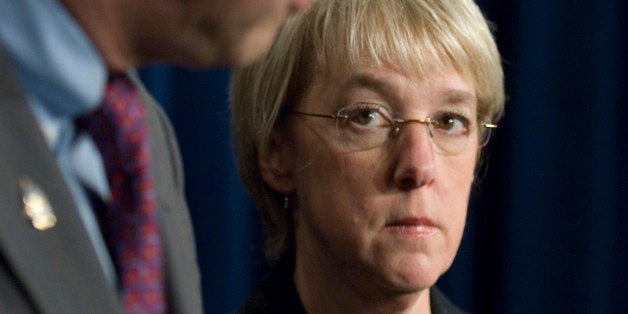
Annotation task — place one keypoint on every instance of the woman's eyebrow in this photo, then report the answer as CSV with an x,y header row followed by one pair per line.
x,y
370,82
451,95
456,95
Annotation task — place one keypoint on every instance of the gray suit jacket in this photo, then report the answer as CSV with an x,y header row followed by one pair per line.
x,y
56,270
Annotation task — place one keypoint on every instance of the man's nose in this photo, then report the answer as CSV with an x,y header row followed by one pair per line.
x,y
299,5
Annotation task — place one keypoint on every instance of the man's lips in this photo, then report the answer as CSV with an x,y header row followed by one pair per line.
x,y
412,226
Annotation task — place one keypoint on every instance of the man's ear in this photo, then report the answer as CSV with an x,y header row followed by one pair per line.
x,y
275,163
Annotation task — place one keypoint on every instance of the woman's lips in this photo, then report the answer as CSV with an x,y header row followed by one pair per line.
x,y
412,226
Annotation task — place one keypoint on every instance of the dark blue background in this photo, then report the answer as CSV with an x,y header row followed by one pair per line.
x,y
547,229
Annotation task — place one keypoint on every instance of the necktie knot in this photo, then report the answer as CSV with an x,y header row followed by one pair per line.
x,y
118,126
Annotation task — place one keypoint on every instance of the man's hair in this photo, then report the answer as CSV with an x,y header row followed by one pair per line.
x,y
333,36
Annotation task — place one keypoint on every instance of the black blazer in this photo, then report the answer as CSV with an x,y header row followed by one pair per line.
x,y
277,294
56,270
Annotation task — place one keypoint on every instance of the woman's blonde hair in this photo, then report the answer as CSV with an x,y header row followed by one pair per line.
x,y
409,36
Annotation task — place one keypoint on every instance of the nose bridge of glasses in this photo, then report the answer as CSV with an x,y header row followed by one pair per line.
x,y
398,124
419,141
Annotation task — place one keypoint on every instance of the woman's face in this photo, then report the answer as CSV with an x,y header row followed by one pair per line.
x,y
388,217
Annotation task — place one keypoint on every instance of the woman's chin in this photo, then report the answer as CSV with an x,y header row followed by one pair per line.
x,y
413,274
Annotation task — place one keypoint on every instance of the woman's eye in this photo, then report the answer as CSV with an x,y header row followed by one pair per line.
x,y
366,116
452,123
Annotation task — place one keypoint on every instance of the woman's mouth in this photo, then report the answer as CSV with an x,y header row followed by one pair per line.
x,y
412,226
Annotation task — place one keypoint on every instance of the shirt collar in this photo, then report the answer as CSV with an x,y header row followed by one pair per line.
x,y
60,67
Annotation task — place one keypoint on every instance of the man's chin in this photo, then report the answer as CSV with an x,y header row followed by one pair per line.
x,y
249,49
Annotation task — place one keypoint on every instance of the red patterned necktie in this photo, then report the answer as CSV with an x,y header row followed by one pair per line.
x,y
120,131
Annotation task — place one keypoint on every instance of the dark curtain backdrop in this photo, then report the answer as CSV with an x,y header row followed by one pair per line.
x,y
547,227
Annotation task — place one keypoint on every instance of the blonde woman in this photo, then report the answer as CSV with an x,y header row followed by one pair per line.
x,y
358,137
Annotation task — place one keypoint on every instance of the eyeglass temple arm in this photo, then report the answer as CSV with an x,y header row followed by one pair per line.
x,y
429,121
319,115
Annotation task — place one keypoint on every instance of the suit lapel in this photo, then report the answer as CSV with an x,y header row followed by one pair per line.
x,y
175,225
57,268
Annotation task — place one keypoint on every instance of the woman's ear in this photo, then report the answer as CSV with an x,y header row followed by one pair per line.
x,y
275,163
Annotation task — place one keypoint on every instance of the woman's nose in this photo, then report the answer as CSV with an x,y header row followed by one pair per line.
x,y
415,164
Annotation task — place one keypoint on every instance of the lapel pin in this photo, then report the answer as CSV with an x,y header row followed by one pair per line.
x,y
36,205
